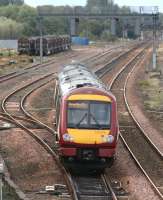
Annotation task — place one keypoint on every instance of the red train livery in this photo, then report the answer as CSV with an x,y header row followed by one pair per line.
x,y
86,118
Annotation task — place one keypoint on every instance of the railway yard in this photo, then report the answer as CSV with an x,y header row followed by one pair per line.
x,y
28,131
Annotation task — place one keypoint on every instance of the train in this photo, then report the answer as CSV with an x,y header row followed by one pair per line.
x,y
51,44
86,118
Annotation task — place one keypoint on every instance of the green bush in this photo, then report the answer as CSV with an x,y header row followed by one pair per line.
x,y
144,83
107,36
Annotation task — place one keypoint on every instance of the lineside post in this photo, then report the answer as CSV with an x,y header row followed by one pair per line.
x,y
41,40
1,180
154,41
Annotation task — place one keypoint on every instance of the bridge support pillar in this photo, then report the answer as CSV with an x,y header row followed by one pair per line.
x,y
113,26
74,23
137,27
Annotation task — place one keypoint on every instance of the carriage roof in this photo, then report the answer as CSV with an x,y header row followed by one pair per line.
x,y
76,76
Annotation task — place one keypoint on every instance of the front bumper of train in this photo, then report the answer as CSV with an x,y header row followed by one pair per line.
x,y
87,153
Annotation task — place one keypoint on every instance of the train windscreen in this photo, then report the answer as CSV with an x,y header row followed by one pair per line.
x,y
89,115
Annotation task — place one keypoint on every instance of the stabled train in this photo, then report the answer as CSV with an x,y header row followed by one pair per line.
x,y
86,118
51,45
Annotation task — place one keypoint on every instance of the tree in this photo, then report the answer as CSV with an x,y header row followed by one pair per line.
x,y
125,9
17,2
28,17
10,11
4,2
107,36
55,26
97,3
9,29
100,5
7,2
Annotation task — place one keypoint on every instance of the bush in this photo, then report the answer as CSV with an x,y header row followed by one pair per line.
x,y
106,36
9,29
144,83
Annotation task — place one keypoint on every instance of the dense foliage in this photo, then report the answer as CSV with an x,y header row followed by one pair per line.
x,y
18,19
7,2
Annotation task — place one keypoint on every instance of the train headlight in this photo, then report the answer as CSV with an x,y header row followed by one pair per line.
x,y
108,138
67,137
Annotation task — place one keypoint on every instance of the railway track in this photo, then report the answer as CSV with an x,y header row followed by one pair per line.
x,y
99,190
150,159
91,197
24,71
94,187
82,195
32,132
99,180
11,104
153,168
75,186
113,62
19,73
93,58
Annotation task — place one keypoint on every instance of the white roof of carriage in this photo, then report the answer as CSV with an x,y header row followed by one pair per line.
x,y
76,76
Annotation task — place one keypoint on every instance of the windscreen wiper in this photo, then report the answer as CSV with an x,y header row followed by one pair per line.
x,y
96,121
84,116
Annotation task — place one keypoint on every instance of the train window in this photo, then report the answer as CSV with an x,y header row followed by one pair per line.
x,y
57,108
77,114
89,114
55,94
57,105
100,114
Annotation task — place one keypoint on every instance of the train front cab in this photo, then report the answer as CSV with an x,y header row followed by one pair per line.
x,y
88,129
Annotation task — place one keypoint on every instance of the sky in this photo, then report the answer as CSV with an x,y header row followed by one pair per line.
x,y
158,3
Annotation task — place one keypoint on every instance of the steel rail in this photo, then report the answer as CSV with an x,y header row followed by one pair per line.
x,y
45,146
143,132
109,186
34,118
70,179
18,117
22,103
17,73
132,115
35,136
76,196
24,98
123,67
5,113
6,75
20,72
13,75
134,157
12,118
99,55
22,87
93,186
29,115
109,66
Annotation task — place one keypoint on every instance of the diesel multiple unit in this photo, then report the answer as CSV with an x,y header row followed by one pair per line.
x,y
50,45
86,117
